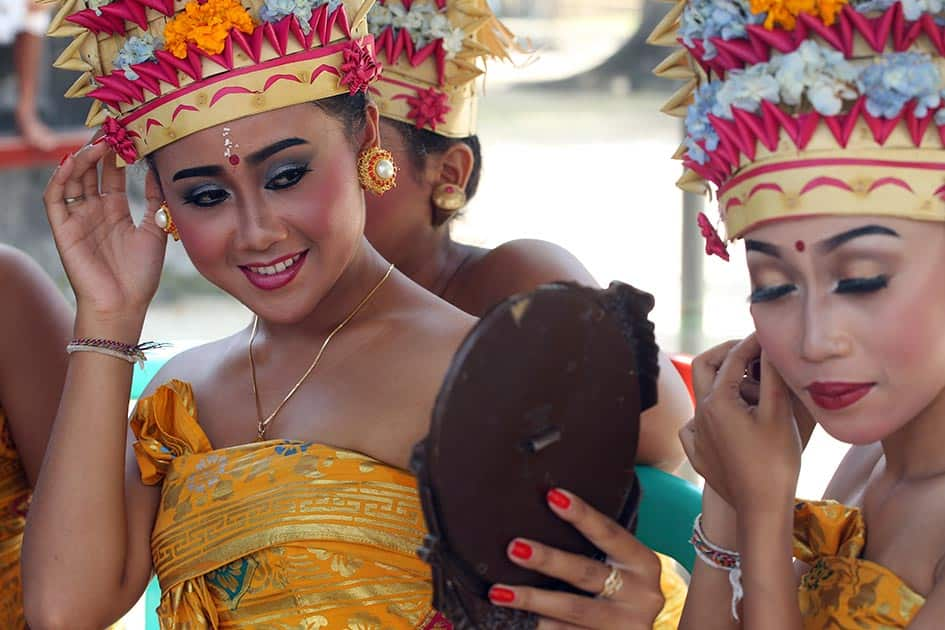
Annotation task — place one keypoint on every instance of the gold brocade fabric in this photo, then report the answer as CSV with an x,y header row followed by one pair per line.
x,y
277,534
842,591
14,501
674,590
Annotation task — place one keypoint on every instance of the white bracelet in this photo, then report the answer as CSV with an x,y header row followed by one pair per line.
x,y
719,558
74,347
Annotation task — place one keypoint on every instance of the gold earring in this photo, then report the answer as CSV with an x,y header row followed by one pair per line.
x,y
449,198
376,170
164,220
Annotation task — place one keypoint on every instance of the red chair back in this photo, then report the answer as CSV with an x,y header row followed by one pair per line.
x,y
683,364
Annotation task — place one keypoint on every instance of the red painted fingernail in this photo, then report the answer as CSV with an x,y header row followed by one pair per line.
x,y
559,499
501,595
64,158
522,551
98,140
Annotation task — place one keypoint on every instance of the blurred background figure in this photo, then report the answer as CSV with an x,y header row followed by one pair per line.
x,y
23,26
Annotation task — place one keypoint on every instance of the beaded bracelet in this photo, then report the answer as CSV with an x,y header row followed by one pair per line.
x,y
117,349
720,558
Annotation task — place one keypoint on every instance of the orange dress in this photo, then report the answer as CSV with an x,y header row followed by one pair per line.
x,y
842,591
14,500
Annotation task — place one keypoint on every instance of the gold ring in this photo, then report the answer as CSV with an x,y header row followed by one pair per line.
x,y
612,584
76,199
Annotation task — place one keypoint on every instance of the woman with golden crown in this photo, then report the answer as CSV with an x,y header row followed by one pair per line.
x,y
434,54
35,325
821,126
253,119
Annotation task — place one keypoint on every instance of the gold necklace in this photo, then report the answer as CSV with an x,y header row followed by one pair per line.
x,y
263,424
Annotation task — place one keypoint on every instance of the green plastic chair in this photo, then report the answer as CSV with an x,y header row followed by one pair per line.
x,y
667,511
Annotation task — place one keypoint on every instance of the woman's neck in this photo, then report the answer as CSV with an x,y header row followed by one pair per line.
x,y
432,259
359,277
915,452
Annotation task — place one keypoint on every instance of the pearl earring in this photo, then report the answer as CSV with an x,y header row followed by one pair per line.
x,y
164,220
376,170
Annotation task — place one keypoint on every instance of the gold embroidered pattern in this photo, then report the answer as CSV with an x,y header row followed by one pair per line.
x,y
14,501
841,590
277,534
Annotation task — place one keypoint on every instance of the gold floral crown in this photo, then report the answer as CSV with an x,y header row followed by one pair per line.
x,y
159,70
433,52
821,107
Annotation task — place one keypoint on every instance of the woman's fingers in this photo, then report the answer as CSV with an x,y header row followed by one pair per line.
x,y
581,611
706,366
775,400
579,571
732,371
606,534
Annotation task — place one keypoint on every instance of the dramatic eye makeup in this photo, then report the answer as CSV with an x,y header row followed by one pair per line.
x,y
862,285
206,196
769,293
286,175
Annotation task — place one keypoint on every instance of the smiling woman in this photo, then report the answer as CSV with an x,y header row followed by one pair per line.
x,y
285,501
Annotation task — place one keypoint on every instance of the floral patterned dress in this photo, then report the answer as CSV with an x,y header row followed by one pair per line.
x,y
278,534
14,500
843,591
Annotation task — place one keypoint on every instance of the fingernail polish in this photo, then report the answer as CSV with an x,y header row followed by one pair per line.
x,y
521,550
500,595
98,140
559,499
64,158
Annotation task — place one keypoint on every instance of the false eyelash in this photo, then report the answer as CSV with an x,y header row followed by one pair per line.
x,y
862,285
766,294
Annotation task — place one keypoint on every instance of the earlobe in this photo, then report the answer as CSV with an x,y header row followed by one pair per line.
x,y
372,128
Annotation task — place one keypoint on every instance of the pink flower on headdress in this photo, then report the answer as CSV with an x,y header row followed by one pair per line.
x,y
428,108
118,138
359,66
713,242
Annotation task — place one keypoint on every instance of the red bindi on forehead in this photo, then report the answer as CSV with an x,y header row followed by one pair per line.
x,y
800,246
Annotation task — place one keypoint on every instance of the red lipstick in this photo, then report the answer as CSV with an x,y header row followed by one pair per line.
x,y
835,396
266,276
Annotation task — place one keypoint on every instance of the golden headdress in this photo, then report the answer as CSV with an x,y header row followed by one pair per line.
x,y
433,52
815,107
159,70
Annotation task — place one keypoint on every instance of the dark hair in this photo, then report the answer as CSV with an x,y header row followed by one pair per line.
x,y
349,109
422,143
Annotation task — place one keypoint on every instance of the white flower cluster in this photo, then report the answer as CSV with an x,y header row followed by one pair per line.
x,y
425,23
911,9
96,5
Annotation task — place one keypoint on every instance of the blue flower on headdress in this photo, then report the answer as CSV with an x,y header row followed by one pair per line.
x,y
703,19
698,128
137,49
898,78
816,72
275,10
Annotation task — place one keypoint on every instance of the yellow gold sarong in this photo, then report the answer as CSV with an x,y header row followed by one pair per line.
x,y
842,591
14,500
277,534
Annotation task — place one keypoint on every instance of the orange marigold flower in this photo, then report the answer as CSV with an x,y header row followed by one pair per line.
x,y
205,25
784,13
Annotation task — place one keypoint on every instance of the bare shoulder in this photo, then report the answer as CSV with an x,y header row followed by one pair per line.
x,y
199,366
516,267
532,262
853,473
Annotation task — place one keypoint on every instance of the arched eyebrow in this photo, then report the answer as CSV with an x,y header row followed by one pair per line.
x,y
832,243
762,247
254,158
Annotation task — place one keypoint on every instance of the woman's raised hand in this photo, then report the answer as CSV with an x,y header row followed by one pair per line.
x,y
749,452
113,265
633,575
